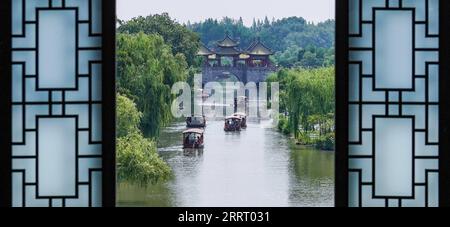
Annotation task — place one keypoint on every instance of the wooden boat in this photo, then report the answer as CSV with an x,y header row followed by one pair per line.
x,y
193,138
196,122
243,117
232,124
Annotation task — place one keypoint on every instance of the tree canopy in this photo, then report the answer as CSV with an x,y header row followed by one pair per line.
x,y
307,98
146,71
128,116
137,157
177,36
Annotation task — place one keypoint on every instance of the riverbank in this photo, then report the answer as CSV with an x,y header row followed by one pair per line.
x,y
295,145
326,143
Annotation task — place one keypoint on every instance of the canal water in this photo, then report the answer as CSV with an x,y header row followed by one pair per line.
x,y
255,167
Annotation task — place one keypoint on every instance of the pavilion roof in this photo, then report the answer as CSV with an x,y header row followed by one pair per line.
x,y
229,51
259,49
204,50
227,42
229,47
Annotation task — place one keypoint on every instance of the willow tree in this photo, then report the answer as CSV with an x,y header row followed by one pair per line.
x,y
307,95
146,71
323,85
181,39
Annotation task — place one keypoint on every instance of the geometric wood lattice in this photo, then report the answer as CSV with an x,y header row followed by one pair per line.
x,y
393,103
57,103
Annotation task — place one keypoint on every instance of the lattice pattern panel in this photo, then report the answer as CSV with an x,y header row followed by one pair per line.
x,y
393,103
57,103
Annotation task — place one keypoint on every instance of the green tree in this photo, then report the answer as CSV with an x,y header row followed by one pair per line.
x,y
128,116
307,96
310,60
177,36
137,157
138,160
146,71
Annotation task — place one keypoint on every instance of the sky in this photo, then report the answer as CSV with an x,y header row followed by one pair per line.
x,y
198,10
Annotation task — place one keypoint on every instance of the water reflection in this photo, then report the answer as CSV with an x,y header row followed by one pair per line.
x,y
254,167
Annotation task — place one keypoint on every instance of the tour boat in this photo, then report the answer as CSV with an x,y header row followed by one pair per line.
x,y
232,124
196,122
193,138
243,117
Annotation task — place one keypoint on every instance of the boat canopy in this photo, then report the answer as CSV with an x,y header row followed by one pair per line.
x,y
233,117
194,130
240,114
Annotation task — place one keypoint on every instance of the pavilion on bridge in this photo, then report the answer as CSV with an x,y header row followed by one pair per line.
x,y
228,53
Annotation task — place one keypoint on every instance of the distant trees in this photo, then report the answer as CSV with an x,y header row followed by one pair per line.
x,y
295,41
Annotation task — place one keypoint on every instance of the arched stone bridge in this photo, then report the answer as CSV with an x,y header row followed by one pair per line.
x,y
244,74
